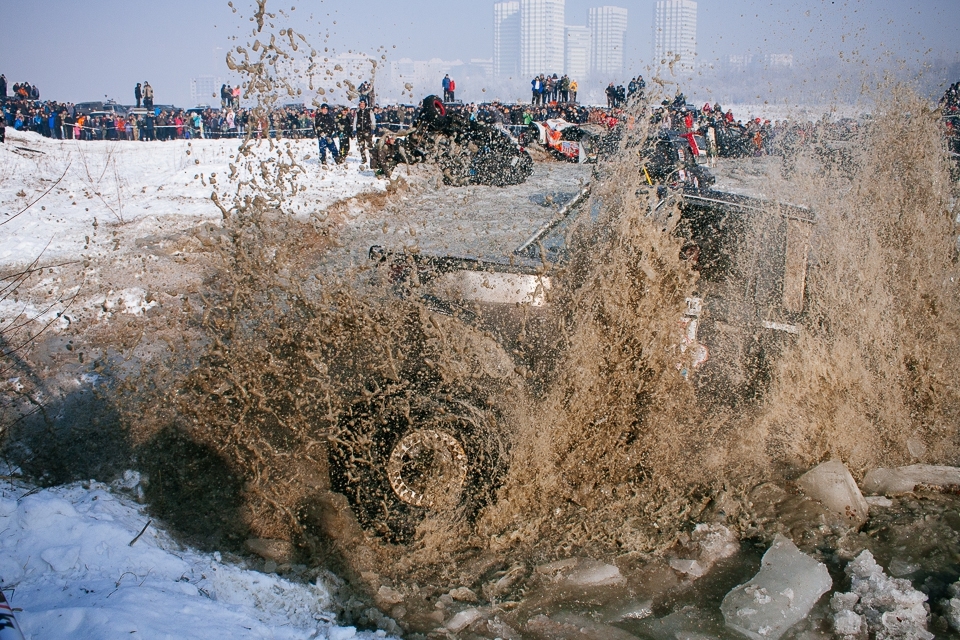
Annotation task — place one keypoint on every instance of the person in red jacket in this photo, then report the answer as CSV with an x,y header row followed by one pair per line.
x,y
453,90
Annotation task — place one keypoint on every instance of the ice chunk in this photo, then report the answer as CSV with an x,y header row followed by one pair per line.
x,y
900,568
890,607
463,619
784,591
904,479
704,547
690,567
834,487
716,543
595,575
582,572
388,596
953,610
847,623
341,633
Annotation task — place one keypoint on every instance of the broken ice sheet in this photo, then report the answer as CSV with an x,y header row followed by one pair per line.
x,y
782,593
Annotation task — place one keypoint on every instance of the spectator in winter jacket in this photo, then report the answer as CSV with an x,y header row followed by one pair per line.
x,y
3,88
446,88
325,127
564,88
138,94
344,129
364,124
147,95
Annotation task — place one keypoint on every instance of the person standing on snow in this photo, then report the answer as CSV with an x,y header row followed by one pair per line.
x,y
326,128
344,128
147,96
364,124
138,94
453,90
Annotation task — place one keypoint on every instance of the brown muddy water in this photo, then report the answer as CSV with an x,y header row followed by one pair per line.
x,y
599,485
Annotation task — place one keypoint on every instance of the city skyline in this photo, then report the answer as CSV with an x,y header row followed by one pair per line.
x,y
525,40
899,36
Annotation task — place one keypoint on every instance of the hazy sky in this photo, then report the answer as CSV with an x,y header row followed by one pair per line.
x,y
86,50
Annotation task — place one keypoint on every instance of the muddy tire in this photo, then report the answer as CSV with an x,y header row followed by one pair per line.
x,y
433,440
407,457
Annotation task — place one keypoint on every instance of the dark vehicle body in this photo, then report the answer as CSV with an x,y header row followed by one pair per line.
x,y
752,259
467,152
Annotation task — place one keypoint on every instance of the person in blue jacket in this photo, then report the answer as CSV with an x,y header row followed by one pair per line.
x,y
446,88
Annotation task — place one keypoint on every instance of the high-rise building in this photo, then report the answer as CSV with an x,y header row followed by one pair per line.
x,y
506,39
541,36
608,26
675,34
205,90
577,52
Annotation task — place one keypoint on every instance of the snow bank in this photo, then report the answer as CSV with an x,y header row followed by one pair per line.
x,y
79,185
67,562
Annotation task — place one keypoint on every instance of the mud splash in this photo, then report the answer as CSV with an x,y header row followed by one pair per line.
x,y
610,453
583,438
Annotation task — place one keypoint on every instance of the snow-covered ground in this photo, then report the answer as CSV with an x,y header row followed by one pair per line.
x,y
74,567
126,216
149,185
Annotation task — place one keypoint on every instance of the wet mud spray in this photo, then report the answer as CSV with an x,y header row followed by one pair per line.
x,y
603,450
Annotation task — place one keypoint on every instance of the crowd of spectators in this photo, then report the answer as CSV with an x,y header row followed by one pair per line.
x,y
553,98
619,96
546,89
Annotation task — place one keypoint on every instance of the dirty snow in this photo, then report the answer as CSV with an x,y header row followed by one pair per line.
x,y
118,212
73,567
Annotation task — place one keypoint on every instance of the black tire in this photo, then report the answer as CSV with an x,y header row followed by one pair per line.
x,y
432,109
457,404
404,457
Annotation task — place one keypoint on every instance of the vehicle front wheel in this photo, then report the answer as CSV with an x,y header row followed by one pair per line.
x,y
404,457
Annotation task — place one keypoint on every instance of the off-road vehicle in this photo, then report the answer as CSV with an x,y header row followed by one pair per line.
x,y
467,152
440,443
